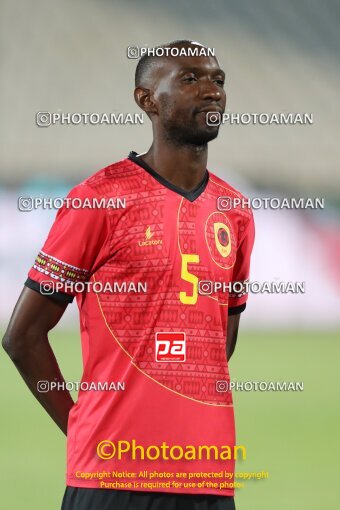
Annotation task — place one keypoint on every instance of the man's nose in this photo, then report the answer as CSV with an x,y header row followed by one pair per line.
x,y
209,90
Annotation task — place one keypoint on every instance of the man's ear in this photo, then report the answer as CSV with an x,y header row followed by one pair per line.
x,y
144,99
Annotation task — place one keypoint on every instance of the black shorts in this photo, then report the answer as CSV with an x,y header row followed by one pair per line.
x,y
76,498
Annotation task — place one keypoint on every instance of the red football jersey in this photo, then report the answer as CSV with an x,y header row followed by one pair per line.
x,y
159,331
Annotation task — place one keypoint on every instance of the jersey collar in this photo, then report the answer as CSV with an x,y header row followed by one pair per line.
x,y
189,195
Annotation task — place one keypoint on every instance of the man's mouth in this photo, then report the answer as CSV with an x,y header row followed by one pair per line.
x,y
211,108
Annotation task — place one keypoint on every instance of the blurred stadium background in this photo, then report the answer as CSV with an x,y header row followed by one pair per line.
x,y
279,57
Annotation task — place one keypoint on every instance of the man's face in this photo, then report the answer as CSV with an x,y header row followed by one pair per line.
x,y
186,88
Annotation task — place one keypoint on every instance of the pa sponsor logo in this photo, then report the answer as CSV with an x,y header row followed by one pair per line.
x,y
170,347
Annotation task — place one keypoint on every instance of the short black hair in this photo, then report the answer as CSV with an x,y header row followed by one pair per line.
x,y
145,63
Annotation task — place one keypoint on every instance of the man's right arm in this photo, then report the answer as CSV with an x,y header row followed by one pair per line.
x,y
26,343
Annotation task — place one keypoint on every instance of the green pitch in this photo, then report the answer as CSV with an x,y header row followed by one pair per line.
x,y
293,435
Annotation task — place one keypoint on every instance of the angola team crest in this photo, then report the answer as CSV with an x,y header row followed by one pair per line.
x,y
220,240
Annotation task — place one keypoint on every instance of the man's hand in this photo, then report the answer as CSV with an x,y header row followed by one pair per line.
x,y
26,342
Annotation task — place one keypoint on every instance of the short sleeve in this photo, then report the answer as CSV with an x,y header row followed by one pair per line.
x,y
74,248
239,293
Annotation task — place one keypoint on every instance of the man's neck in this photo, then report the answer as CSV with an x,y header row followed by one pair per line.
x,y
183,166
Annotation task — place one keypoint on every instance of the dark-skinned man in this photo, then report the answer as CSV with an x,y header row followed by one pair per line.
x,y
166,328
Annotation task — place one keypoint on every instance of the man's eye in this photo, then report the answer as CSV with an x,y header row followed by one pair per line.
x,y
220,82
189,79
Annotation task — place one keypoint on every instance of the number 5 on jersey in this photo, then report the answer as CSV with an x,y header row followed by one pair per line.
x,y
189,299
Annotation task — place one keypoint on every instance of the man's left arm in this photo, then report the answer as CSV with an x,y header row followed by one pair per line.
x,y
232,330
237,300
